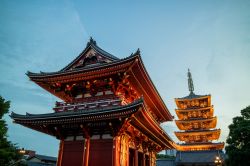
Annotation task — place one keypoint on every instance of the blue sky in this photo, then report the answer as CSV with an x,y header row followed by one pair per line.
x,y
210,37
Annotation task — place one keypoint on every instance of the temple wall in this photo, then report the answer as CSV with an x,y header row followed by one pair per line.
x,y
100,152
72,153
104,151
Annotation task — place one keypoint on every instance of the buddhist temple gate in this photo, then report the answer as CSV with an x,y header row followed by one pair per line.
x,y
110,112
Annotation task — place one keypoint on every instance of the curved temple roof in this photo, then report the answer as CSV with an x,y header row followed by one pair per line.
x,y
132,64
73,114
144,114
136,112
91,44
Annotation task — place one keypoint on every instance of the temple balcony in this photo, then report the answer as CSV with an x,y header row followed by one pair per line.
x,y
86,105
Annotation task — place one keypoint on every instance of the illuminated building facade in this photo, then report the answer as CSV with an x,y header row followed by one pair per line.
x,y
197,121
110,112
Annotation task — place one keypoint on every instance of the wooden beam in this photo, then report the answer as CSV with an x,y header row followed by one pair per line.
x,y
60,153
116,151
86,152
136,157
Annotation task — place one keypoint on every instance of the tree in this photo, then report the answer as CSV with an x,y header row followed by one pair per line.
x,y
164,156
238,148
8,151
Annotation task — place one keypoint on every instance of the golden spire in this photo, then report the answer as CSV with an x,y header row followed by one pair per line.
x,y
190,83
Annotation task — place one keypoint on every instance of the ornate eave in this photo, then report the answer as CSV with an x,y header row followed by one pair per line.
x,y
66,75
56,123
178,101
77,116
135,114
201,146
197,123
139,78
132,66
144,121
209,112
210,134
81,74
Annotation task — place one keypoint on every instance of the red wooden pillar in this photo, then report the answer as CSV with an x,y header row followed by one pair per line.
x,y
86,152
143,160
60,153
116,151
150,159
136,157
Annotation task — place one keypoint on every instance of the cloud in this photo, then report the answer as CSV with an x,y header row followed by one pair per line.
x,y
211,38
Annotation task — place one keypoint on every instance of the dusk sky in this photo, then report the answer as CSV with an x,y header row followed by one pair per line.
x,y
211,37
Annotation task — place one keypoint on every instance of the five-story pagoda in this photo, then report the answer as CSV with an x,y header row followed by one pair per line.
x,y
197,120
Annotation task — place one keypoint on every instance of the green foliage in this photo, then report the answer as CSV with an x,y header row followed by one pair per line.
x,y
164,156
238,148
8,151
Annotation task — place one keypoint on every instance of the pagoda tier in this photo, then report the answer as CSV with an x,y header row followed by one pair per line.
x,y
184,114
201,146
193,101
110,113
198,136
196,118
196,124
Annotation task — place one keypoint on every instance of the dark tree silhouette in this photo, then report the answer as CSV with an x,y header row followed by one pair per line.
x,y
238,148
8,151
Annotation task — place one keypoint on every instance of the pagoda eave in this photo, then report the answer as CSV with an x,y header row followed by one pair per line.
x,y
197,123
196,109
182,113
198,132
199,147
206,98
209,134
192,97
196,120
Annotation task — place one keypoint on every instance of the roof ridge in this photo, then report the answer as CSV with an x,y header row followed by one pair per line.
x,y
28,73
91,43
105,53
193,96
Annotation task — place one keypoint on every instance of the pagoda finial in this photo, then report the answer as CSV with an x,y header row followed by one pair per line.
x,y
190,83
138,51
91,41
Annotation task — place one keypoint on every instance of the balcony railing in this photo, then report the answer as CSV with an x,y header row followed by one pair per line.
x,y
74,106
